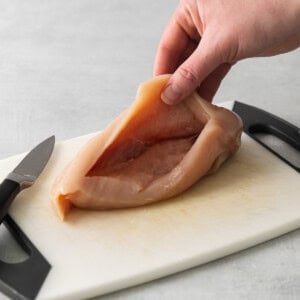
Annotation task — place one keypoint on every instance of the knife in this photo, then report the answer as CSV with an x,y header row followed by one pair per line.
x,y
25,174
23,280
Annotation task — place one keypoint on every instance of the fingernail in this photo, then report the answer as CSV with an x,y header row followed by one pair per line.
x,y
171,95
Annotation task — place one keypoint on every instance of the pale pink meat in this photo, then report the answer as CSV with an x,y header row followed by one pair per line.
x,y
151,152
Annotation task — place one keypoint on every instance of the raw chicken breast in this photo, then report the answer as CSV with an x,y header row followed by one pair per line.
x,y
151,152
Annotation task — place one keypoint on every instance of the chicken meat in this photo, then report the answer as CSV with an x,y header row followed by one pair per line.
x,y
151,152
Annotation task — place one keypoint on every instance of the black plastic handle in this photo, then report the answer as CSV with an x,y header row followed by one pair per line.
x,y
259,121
23,280
20,280
8,191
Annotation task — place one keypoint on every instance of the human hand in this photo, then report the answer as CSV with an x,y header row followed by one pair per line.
x,y
205,38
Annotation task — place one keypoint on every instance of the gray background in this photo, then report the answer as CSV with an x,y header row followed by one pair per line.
x,y
69,67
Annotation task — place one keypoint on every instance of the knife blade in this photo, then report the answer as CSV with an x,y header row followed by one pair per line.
x,y
25,174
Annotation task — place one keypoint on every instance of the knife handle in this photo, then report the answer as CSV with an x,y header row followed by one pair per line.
x,y
8,191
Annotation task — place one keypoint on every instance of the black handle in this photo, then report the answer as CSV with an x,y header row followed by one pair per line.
x,y
8,191
259,121
22,281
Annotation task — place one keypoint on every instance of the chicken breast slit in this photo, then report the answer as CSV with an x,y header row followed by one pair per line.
x,y
143,162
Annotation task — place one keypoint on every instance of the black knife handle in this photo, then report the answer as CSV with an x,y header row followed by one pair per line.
x,y
8,191
259,121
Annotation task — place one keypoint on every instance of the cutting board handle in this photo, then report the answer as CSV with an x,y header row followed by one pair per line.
x,y
259,121
23,280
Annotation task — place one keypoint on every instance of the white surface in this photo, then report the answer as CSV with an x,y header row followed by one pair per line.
x,y
69,67
253,198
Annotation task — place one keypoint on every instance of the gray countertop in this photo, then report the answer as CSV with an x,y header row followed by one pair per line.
x,y
69,67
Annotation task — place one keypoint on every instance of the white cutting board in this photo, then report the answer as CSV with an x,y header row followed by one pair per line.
x,y
252,198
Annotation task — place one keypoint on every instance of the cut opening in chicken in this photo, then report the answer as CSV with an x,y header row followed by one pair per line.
x,y
149,147
143,162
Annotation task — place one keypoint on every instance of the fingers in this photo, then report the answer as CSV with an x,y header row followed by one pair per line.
x,y
212,82
173,44
189,75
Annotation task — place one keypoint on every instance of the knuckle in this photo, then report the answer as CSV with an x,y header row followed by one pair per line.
x,y
188,74
227,47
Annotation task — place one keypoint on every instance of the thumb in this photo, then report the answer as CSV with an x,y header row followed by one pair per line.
x,y
192,72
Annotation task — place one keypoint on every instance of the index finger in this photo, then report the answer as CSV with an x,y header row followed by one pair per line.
x,y
173,44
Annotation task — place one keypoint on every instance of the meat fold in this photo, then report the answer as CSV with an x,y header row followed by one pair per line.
x,y
151,152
